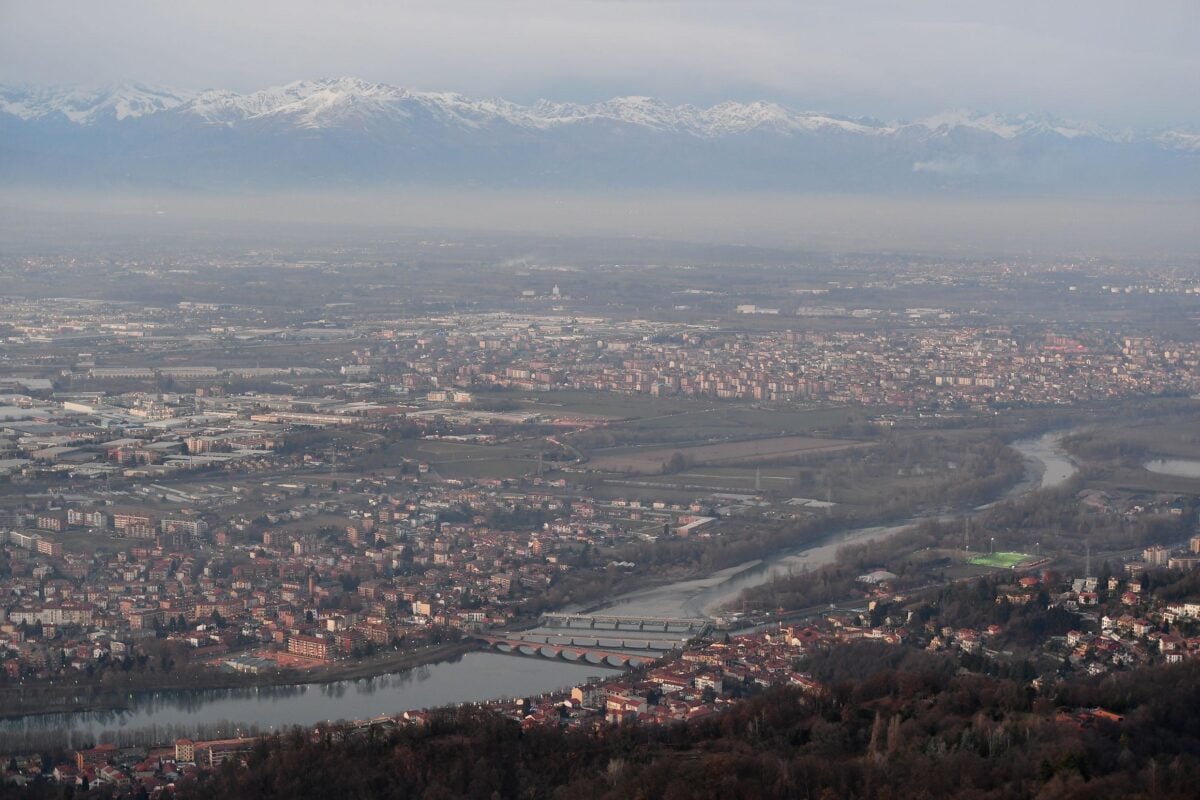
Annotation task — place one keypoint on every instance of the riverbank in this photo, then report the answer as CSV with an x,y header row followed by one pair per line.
x,y
706,593
25,700
160,717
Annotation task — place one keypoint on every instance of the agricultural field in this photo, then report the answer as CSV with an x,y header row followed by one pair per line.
x,y
648,412
770,479
610,405
657,460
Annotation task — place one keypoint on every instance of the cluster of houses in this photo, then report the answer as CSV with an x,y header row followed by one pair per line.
x,y
129,771
929,362
1127,627
1130,626
375,561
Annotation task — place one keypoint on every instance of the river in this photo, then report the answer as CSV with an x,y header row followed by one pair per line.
x,y
482,676
1048,466
476,677
1178,467
1048,461
701,597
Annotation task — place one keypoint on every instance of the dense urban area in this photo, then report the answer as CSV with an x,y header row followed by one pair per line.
x,y
807,521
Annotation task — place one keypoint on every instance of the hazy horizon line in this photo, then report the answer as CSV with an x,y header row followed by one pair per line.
x,y
1160,227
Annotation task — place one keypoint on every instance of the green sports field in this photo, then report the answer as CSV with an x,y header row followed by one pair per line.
x,y
1008,560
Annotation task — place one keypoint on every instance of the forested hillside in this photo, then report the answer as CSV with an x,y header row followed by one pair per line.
x,y
894,724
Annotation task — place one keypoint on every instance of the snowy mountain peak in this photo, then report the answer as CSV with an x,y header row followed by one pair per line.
x,y
357,103
89,106
1011,127
1185,140
356,132
719,120
310,101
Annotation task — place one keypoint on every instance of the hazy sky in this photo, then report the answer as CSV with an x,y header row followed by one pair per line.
x,y
1117,62
1142,228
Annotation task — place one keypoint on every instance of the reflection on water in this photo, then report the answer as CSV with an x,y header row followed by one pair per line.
x,y
702,597
1056,466
473,678
1179,467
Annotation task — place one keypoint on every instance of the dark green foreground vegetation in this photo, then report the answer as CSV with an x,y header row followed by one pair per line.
x,y
896,723
908,729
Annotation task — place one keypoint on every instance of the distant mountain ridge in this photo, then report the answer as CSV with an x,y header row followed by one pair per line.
x,y
349,132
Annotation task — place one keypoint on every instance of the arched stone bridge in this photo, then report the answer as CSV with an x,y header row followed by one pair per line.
x,y
594,639
579,654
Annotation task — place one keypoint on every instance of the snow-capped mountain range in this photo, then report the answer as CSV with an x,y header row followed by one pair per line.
x,y
346,132
87,106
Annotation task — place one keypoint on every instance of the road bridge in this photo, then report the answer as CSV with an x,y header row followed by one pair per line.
x,y
583,655
626,622
596,640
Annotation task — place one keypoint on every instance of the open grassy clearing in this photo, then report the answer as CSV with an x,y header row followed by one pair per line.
x,y
335,521
466,460
649,411
796,420
88,541
438,451
484,467
723,419
640,490
772,479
